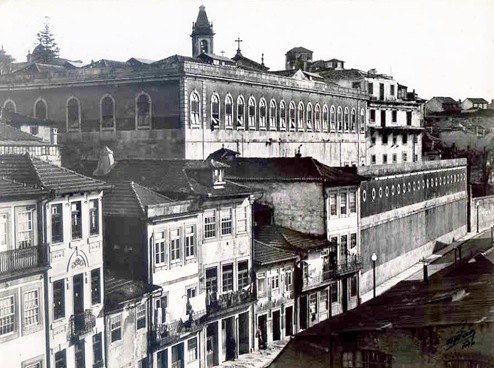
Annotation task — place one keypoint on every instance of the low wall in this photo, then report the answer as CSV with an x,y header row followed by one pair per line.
x,y
482,213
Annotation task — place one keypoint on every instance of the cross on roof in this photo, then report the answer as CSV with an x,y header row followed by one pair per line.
x,y
222,53
238,40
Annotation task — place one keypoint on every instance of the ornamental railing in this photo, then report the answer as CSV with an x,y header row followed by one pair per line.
x,y
21,259
81,324
231,299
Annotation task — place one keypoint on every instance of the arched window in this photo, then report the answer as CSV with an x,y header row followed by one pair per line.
x,y
353,120
9,105
40,109
291,116
362,120
73,114
228,112
325,118
332,119
204,46
309,116
262,113
282,115
347,119
339,119
195,109
272,115
215,110
240,112
317,118
300,120
107,112
252,113
143,111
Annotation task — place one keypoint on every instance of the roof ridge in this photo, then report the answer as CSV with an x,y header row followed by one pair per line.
x,y
277,248
31,162
316,165
154,192
143,210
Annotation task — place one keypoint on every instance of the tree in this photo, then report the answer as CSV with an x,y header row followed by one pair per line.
x,y
47,49
5,62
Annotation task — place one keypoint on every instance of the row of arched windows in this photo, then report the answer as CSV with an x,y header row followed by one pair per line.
x,y
276,115
143,109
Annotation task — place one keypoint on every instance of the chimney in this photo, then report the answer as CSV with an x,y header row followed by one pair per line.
x,y
105,162
54,136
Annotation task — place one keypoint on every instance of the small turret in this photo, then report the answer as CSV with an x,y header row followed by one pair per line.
x,y
202,34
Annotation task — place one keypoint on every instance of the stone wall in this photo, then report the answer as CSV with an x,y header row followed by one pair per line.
x,y
482,213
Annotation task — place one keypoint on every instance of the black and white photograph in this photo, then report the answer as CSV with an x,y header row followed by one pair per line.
x,y
246,183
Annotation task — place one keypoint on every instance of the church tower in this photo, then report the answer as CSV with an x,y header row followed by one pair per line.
x,y
202,34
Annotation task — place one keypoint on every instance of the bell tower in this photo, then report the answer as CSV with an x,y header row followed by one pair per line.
x,y
202,34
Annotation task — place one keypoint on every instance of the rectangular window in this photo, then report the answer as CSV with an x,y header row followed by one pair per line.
x,y
57,223
372,115
394,116
212,280
93,217
373,159
324,300
260,286
61,359
241,213
3,230
353,286
25,232
356,85
395,158
7,315
371,88
159,248
76,220
353,240
191,292
404,157
343,247
192,350
343,203
352,198
373,139
80,354
383,118
210,224
385,158
332,205
190,242
226,221
288,279
31,308
395,140
243,274
141,316
97,348
409,118
58,299
175,246
334,292
116,327
95,286
275,282
392,90
227,277
405,138
385,138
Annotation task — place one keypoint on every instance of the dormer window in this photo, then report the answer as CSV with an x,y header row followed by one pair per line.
x,y
218,178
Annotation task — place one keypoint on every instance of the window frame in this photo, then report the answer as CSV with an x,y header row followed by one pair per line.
x,y
251,113
27,312
103,119
192,354
115,328
59,237
8,318
262,114
352,202
97,345
243,274
210,227
282,115
241,218
310,117
227,278
25,238
190,246
195,116
317,118
292,115
240,117
96,286
149,112
346,119
228,116
58,295
35,110
175,246
94,227
273,114
343,204
77,233
215,107
141,316
301,117
160,251
226,223
10,102
72,127
4,230
339,119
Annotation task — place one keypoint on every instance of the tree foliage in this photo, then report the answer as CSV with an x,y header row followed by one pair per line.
x,y
5,62
47,49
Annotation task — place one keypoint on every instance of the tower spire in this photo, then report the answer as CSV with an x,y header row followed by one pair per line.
x,y
202,34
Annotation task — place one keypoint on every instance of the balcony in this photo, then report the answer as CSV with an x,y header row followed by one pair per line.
x,y
21,260
229,300
352,264
81,324
165,333
99,364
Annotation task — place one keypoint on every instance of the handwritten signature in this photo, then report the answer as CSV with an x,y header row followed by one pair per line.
x,y
465,337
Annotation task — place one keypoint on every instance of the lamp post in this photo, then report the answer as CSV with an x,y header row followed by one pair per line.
x,y
374,259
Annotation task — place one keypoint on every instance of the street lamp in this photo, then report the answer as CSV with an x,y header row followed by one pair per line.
x,y
374,259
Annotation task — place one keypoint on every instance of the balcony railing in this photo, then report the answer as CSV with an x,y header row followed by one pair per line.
x,y
81,324
21,259
352,264
164,333
232,299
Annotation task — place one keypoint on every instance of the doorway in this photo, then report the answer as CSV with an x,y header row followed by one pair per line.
x,y
243,333
276,325
262,334
289,321
212,344
344,294
303,312
229,343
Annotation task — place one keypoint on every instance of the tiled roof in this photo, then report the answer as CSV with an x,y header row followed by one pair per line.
x,y
174,59
33,171
477,100
267,254
139,61
298,49
105,63
446,100
288,239
177,179
130,199
40,68
248,64
9,133
222,154
14,189
290,169
334,74
16,119
120,290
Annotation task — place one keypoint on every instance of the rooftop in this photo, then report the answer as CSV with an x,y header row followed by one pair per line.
x,y
119,290
267,254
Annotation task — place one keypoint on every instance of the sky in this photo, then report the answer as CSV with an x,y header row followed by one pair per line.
x,y
437,47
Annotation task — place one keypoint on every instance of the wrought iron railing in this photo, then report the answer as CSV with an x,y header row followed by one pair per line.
x,y
352,263
216,303
81,324
21,259
166,332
